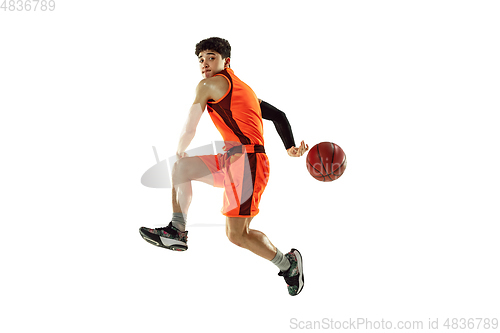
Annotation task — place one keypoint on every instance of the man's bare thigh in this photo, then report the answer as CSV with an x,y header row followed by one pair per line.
x,y
195,169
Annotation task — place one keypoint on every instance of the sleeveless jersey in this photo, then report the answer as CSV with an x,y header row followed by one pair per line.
x,y
237,114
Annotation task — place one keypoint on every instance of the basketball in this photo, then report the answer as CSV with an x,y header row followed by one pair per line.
x,y
326,161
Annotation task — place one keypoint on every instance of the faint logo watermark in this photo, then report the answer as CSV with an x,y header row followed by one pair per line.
x,y
159,175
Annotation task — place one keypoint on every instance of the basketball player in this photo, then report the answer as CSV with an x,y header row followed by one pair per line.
x,y
243,170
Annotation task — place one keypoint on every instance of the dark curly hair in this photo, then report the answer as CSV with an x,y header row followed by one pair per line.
x,y
216,44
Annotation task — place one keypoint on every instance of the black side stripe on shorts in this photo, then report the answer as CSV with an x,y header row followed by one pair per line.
x,y
246,207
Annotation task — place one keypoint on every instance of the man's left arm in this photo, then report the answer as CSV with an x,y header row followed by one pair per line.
x,y
283,128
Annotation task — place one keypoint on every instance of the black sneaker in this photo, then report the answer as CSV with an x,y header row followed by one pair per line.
x,y
294,276
168,237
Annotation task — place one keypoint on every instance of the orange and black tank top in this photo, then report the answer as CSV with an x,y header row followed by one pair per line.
x,y
237,114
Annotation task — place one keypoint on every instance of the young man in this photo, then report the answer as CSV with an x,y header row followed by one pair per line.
x,y
243,170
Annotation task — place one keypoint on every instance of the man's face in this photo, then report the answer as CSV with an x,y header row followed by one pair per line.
x,y
211,63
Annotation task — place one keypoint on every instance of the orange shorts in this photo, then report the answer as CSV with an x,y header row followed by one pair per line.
x,y
243,176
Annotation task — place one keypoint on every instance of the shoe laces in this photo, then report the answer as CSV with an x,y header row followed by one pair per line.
x,y
171,230
167,229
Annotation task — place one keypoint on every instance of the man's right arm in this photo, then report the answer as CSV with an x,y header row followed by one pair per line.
x,y
203,92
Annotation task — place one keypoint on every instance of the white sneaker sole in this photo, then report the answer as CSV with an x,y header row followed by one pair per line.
x,y
300,269
167,243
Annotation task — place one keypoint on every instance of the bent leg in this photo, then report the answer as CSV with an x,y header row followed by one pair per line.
x,y
239,233
184,171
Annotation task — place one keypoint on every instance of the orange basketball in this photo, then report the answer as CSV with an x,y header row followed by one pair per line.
x,y
326,161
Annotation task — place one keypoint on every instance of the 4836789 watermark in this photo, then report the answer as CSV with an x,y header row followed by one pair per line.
x,y
28,5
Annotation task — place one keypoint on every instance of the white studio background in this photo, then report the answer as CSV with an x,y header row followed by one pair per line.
x,y
409,90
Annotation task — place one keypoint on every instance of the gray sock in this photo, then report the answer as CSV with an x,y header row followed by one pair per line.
x,y
281,261
179,221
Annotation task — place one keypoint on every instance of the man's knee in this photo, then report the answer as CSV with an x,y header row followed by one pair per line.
x,y
182,171
179,168
235,237
237,230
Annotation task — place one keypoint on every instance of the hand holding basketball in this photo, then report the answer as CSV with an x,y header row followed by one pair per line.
x,y
297,152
